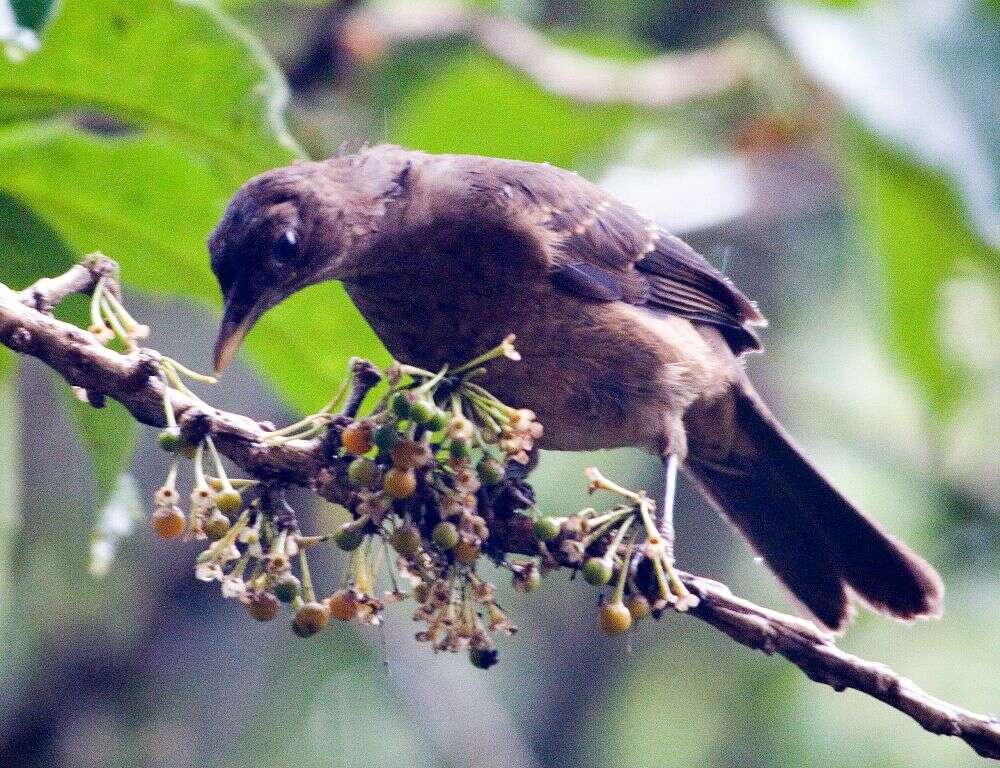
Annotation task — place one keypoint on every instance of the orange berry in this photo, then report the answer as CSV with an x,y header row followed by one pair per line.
x,y
263,606
614,618
310,619
409,454
638,606
168,522
466,552
400,483
356,439
342,604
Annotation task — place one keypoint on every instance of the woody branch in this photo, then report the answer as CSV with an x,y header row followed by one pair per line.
x,y
27,327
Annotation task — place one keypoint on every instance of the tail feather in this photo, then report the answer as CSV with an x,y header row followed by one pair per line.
x,y
815,540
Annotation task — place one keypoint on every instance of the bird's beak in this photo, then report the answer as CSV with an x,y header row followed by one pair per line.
x,y
238,317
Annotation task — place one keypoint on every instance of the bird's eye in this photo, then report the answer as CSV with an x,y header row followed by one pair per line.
x,y
286,247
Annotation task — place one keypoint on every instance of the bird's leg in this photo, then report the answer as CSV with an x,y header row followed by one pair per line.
x,y
683,599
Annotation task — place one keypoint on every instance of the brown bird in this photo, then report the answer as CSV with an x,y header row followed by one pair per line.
x,y
628,337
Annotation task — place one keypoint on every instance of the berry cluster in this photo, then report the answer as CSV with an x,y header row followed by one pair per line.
x,y
436,462
622,547
425,476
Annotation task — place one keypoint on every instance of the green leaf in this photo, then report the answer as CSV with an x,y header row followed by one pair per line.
x,y
175,69
108,436
150,206
915,224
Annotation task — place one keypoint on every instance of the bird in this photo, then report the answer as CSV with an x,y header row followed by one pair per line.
x,y
627,337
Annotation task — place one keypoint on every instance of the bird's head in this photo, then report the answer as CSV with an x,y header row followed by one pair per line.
x,y
283,230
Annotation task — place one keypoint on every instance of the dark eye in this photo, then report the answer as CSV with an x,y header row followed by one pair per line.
x,y
286,247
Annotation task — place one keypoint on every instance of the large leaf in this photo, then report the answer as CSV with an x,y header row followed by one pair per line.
x,y
149,206
176,69
913,221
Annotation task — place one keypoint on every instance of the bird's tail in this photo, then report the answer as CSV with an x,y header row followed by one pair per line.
x,y
816,542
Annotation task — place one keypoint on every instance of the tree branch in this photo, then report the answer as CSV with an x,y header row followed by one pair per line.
x,y
133,379
656,82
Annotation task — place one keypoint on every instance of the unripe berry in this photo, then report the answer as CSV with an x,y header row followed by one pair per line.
x,y
483,658
638,606
310,619
385,437
460,449
437,422
342,605
170,439
263,606
287,588
229,501
614,618
546,529
349,537
423,411
216,526
168,522
362,472
490,471
466,552
356,439
528,582
597,571
400,483
400,405
406,540
445,535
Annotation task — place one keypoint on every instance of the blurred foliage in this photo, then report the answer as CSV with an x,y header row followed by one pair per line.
x,y
131,126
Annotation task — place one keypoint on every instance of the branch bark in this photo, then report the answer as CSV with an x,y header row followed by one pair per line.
x,y
133,379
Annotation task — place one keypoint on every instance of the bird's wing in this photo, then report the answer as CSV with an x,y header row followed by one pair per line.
x,y
604,250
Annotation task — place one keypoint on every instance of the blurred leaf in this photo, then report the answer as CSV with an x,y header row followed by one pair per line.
x,y
115,522
30,248
906,72
154,222
914,223
10,483
108,436
177,69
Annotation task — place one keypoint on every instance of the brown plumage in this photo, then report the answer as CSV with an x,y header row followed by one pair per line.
x,y
628,336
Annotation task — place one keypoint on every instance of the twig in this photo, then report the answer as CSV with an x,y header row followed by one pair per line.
x,y
656,82
132,380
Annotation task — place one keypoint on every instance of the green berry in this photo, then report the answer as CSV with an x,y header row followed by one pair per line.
x,y
423,411
170,439
362,472
491,471
546,529
349,537
437,421
460,449
597,571
386,436
400,405
445,535
483,658
287,588
531,581
406,539
216,526
229,501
